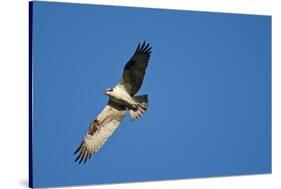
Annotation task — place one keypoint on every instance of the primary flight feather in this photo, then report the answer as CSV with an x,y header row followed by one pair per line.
x,y
122,99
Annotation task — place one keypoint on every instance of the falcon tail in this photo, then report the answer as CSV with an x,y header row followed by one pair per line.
x,y
142,102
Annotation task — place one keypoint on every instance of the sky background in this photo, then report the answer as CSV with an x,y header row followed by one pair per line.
x,y
208,81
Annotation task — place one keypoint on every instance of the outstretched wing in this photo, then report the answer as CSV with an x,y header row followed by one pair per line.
x,y
100,130
134,70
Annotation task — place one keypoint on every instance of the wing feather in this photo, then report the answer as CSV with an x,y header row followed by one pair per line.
x,y
100,130
134,70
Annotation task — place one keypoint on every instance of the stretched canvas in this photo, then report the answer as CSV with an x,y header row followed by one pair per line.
x,y
126,94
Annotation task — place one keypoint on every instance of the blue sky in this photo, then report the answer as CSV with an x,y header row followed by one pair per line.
x,y
208,81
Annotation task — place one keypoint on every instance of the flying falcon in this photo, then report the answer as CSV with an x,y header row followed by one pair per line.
x,y
122,99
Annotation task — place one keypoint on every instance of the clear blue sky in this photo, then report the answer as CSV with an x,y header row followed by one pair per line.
x,y
208,81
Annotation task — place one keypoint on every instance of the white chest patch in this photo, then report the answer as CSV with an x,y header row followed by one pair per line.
x,y
120,94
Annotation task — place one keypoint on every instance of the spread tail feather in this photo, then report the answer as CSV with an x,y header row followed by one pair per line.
x,y
142,103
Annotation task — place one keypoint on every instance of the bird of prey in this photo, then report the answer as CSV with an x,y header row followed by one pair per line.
x,y
122,99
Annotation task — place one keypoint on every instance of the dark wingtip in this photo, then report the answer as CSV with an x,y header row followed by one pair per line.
x,y
143,47
78,148
77,158
86,157
137,48
83,156
81,159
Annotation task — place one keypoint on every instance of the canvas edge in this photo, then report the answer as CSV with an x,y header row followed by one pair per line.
x,y
30,29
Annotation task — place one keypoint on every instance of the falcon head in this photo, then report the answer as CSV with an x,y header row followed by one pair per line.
x,y
108,92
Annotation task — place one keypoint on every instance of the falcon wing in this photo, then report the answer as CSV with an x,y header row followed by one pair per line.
x,y
134,70
100,130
